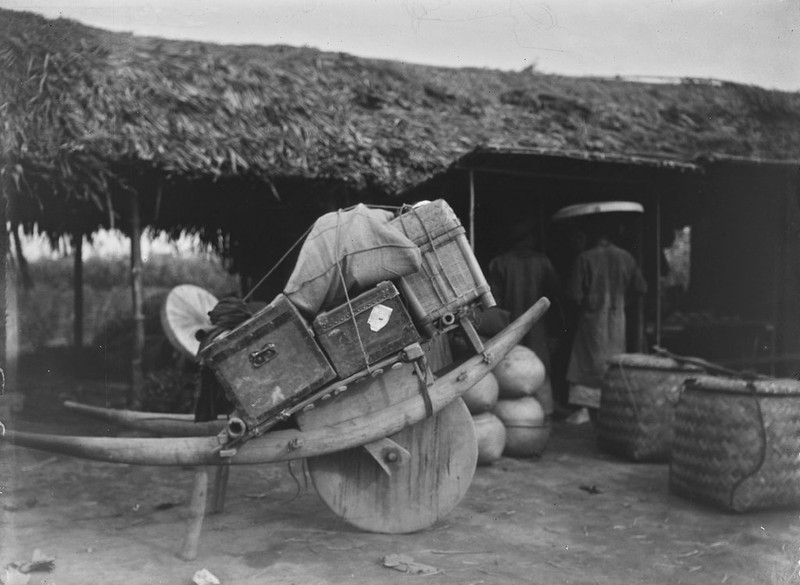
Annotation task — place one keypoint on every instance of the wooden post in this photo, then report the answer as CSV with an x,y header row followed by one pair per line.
x,y
197,512
137,373
11,320
640,343
4,247
220,488
472,209
9,330
11,339
785,316
658,268
77,281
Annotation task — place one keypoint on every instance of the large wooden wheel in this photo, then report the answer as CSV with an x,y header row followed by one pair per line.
x,y
409,480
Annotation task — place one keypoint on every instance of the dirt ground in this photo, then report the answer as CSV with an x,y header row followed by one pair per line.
x,y
574,516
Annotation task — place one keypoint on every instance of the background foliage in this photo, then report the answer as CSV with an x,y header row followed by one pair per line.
x,y
46,322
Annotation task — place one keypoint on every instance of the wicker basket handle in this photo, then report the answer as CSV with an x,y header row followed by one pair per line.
x,y
708,366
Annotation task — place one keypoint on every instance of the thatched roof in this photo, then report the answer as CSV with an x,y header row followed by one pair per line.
x,y
87,113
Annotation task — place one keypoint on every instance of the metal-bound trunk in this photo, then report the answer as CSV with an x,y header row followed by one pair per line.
x,y
269,362
370,327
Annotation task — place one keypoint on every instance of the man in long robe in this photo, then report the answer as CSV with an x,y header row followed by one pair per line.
x,y
518,278
602,279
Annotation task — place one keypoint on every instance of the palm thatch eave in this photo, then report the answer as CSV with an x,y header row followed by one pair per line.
x,y
79,104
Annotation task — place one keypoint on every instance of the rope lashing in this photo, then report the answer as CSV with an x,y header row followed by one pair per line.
x,y
350,310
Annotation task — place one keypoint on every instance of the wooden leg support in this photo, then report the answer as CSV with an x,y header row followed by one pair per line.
x,y
197,510
472,335
220,489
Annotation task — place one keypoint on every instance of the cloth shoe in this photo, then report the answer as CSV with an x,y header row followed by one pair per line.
x,y
579,417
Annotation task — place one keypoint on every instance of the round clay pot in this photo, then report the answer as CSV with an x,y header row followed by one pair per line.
x,y
491,437
520,373
527,431
525,442
544,395
482,396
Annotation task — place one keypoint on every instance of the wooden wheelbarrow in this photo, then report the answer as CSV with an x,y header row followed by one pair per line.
x,y
382,456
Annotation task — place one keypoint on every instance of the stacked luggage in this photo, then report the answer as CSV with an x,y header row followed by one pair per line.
x,y
369,287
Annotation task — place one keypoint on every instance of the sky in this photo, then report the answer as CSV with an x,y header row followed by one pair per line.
x,y
748,41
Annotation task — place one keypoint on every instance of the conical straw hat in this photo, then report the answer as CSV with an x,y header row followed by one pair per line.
x,y
597,207
184,313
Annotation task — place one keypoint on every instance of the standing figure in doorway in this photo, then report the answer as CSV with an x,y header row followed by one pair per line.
x,y
602,278
520,277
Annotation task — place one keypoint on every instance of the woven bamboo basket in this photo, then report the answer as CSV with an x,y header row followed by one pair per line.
x,y
637,405
736,443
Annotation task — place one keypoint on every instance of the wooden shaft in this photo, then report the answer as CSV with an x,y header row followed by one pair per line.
x,y
293,444
157,423
116,413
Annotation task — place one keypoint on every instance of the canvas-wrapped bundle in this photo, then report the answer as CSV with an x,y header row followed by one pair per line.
x,y
527,431
348,251
491,433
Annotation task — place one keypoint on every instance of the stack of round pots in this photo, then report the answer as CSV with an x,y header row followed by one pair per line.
x,y
481,400
508,419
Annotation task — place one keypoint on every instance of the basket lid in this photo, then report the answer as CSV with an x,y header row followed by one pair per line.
x,y
759,386
185,313
650,362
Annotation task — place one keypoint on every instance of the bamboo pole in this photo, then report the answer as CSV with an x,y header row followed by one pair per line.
x,y
137,374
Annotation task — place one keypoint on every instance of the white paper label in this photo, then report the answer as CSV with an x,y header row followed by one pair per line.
x,y
379,317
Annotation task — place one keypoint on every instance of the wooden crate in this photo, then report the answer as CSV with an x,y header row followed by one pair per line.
x,y
269,362
374,325
450,277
